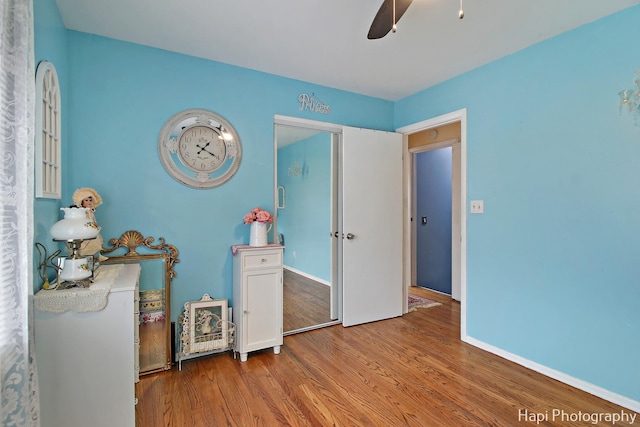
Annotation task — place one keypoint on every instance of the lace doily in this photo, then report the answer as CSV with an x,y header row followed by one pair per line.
x,y
81,300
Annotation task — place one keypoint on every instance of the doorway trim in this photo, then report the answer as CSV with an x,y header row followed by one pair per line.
x,y
455,116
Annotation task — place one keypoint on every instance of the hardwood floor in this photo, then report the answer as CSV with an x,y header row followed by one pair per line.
x,y
305,302
407,371
152,345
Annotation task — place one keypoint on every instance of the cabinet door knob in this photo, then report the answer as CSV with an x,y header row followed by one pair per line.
x,y
263,260
245,312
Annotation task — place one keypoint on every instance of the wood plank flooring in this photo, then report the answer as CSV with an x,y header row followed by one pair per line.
x,y
407,371
305,302
152,345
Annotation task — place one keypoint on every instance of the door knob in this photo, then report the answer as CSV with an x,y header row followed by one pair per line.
x,y
350,236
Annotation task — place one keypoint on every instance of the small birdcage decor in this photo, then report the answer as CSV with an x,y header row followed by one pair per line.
x,y
205,328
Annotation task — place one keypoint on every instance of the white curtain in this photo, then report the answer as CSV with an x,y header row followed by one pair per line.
x,y
18,379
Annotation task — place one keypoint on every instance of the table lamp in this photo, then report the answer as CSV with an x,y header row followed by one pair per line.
x,y
74,229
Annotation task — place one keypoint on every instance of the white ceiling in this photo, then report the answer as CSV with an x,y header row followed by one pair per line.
x,y
325,41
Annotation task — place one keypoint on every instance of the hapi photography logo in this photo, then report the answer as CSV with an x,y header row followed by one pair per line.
x,y
560,415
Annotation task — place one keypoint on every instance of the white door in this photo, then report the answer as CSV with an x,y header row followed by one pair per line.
x,y
372,225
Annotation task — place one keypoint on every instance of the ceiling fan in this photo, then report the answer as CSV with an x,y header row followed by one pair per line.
x,y
388,16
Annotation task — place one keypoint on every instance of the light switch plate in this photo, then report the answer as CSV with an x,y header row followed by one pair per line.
x,y
477,206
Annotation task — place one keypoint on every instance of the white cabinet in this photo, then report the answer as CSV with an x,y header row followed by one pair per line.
x,y
86,360
257,298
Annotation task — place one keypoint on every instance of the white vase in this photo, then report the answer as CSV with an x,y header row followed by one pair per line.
x,y
258,235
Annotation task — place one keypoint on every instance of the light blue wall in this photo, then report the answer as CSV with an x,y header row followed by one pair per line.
x,y
120,96
50,44
553,271
306,220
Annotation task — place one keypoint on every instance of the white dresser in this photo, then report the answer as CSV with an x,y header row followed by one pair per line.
x,y
87,359
257,298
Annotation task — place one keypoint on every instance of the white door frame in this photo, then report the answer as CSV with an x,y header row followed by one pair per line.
x,y
455,116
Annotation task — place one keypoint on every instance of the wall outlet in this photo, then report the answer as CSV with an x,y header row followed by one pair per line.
x,y
293,254
477,206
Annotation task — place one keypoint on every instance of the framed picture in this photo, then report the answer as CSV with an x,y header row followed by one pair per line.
x,y
207,324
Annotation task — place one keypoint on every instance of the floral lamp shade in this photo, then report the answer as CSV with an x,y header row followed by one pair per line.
x,y
74,226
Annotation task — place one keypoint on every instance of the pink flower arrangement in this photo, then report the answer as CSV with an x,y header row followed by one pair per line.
x,y
258,214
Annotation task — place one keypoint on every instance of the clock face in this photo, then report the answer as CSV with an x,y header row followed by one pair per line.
x,y
202,148
199,148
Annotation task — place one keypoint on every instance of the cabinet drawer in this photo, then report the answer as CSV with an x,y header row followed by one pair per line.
x,y
262,260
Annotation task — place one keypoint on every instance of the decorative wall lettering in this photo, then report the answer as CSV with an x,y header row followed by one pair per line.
x,y
312,103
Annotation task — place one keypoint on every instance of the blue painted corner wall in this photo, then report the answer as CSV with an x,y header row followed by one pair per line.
x,y
552,265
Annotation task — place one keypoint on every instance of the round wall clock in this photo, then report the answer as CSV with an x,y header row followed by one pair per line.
x,y
199,148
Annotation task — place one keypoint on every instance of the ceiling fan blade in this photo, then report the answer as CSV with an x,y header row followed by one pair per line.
x,y
383,22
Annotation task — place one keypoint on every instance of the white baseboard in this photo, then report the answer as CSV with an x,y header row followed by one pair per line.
x,y
307,275
605,394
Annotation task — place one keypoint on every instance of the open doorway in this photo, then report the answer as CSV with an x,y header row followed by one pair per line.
x,y
447,131
432,198
435,181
